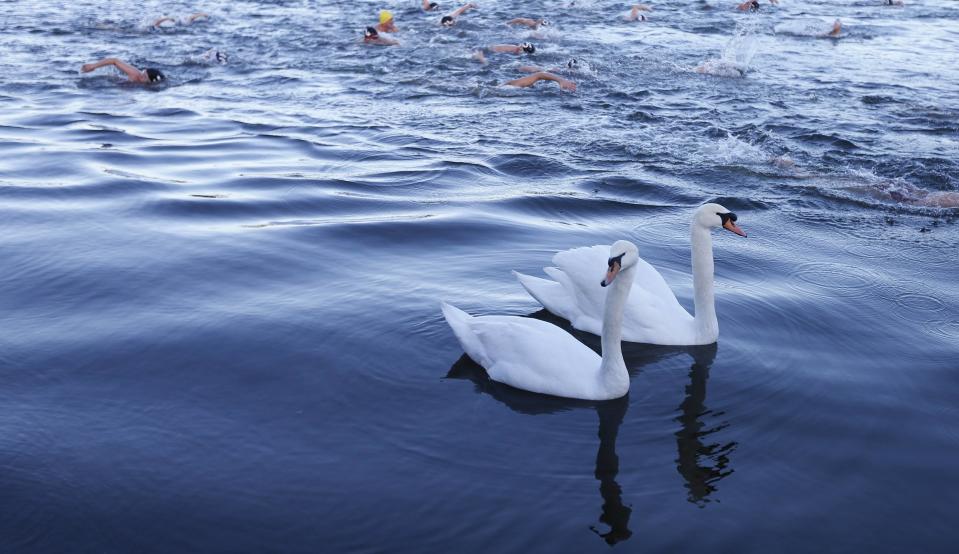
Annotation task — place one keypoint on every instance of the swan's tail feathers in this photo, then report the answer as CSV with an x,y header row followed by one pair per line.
x,y
455,316
459,321
548,293
574,257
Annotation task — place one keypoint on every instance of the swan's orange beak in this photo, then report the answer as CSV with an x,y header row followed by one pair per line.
x,y
611,274
730,225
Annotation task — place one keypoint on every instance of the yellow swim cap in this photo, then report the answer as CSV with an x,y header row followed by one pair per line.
x,y
385,15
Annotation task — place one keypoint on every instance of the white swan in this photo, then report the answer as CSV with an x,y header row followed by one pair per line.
x,y
652,314
537,356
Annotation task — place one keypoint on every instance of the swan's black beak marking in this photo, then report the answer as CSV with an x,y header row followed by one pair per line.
x,y
729,223
615,264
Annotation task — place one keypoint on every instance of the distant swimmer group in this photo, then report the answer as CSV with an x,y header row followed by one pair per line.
x,y
153,75
386,24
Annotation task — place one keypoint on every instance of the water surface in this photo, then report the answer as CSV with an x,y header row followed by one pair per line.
x,y
220,297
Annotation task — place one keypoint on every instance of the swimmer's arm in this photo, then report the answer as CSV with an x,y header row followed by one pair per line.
x,y
462,9
131,72
163,20
198,15
506,48
530,69
530,80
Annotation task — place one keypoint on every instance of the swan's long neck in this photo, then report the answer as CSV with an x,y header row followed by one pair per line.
x,y
613,370
707,326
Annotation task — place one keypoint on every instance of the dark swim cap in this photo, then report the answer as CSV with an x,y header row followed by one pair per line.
x,y
572,64
155,75
528,47
447,20
371,33
434,5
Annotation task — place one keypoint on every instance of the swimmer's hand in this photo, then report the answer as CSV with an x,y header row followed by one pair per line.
x,y
88,67
567,85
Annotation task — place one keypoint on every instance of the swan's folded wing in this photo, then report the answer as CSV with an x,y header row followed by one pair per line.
x,y
653,314
551,294
584,269
535,355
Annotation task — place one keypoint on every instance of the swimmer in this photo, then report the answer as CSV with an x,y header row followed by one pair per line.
x,y
893,3
531,80
370,36
450,19
526,47
386,24
836,29
213,56
188,20
572,65
531,23
634,14
429,6
721,68
149,75
749,5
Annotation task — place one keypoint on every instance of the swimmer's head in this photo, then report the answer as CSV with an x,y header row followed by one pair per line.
x,y
447,21
433,6
754,5
221,57
370,33
528,48
544,22
155,75
572,64
642,17
385,16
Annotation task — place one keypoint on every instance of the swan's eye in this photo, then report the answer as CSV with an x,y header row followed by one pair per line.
x,y
617,260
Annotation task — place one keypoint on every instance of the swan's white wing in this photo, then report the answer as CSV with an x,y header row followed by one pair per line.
x,y
653,314
551,294
583,270
537,356
527,353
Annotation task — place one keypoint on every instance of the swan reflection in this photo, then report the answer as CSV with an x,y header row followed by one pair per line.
x,y
701,463
614,514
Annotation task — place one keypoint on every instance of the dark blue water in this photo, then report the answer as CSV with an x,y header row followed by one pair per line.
x,y
220,297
